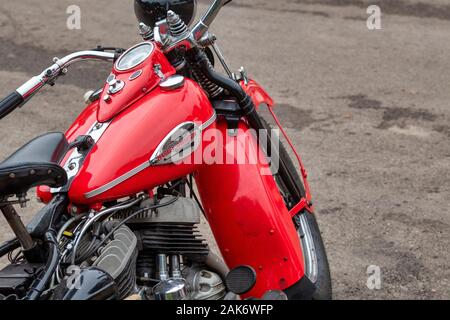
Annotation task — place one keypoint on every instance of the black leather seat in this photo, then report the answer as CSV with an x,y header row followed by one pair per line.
x,y
36,163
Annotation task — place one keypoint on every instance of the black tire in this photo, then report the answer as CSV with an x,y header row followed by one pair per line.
x,y
322,284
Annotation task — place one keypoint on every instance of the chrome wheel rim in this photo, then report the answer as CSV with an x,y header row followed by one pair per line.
x,y
308,248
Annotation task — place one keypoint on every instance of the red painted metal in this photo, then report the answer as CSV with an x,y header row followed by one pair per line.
x,y
131,139
44,194
248,216
244,207
134,89
299,207
260,96
257,93
304,203
79,127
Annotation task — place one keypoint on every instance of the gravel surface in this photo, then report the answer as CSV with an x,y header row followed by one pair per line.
x,y
368,111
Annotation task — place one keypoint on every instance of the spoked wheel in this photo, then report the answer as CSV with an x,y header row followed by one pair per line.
x,y
314,254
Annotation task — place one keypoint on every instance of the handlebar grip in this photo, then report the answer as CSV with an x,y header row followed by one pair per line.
x,y
11,102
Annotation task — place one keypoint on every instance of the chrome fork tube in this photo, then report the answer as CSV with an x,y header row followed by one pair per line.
x,y
162,267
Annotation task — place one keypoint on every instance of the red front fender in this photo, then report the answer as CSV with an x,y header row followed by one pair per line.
x,y
260,96
247,213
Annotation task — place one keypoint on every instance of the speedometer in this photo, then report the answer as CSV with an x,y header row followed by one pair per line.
x,y
134,56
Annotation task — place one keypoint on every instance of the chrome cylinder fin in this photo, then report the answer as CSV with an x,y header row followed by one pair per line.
x,y
146,32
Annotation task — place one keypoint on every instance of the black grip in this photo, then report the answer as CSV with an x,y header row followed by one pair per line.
x,y
10,103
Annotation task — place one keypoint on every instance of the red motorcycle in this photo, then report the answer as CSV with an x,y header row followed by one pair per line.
x,y
120,186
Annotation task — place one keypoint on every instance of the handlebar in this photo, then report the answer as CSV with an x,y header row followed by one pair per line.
x,y
48,76
205,22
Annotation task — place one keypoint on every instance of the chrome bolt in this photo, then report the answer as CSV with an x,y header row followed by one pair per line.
x,y
98,126
72,166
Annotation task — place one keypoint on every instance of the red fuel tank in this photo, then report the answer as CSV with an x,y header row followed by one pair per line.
x,y
133,153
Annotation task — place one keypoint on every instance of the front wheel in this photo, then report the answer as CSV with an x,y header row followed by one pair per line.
x,y
315,258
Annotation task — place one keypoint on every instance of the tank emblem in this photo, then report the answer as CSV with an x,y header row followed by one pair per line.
x,y
167,152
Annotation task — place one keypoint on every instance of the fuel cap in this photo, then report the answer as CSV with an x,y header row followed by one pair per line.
x,y
172,82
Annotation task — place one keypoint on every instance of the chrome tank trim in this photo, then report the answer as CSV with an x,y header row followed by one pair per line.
x,y
209,122
196,130
138,169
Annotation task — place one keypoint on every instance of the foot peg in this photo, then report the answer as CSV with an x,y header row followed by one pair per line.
x,y
241,279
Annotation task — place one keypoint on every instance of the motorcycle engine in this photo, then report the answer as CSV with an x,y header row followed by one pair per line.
x,y
157,255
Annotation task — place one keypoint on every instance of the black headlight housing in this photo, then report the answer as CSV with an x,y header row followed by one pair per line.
x,y
152,11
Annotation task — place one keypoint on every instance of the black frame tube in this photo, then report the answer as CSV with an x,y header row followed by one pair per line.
x,y
39,285
9,246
